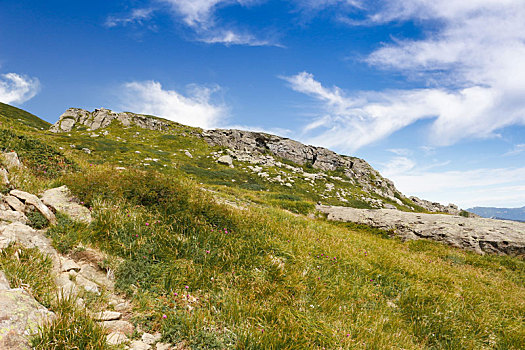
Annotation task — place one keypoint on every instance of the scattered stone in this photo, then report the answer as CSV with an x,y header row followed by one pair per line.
x,y
12,216
69,265
476,234
4,177
11,160
29,198
226,160
102,117
116,338
187,153
139,345
151,338
87,284
107,316
15,203
60,199
4,283
164,346
86,150
119,326
120,307
20,317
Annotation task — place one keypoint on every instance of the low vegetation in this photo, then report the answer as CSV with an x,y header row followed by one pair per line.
x,y
213,276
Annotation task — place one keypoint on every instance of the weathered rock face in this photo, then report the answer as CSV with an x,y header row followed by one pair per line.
x,y
20,316
60,199
100,118
318,157
476,234
437,207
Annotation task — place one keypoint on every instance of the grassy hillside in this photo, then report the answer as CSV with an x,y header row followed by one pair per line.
x,y
216,276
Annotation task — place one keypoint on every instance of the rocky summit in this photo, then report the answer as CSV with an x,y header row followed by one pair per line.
x,y
101,118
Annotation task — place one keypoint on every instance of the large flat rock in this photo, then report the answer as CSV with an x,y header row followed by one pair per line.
x,y
61,200
476,234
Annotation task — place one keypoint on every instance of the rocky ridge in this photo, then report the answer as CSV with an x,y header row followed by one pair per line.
x,y
261,149
476,234
101,118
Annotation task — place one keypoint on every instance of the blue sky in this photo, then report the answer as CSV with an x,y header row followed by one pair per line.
x,y
429,92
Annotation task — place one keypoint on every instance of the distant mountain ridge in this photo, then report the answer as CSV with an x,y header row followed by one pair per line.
x,y
515,214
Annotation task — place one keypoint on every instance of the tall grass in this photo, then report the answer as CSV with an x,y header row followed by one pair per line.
x,y
216,277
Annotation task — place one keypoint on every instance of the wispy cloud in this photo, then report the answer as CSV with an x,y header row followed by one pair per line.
x,y
478,187
17,89
519,148
199,16
136,16
196,108
473,60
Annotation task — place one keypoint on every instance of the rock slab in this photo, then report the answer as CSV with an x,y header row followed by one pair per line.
x,y
60,199
476,234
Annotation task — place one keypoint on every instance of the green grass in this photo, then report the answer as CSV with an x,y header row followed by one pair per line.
x,y
268,284
216,277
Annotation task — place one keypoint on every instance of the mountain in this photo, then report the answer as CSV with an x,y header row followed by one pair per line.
x,y
121,230
515,214
263,162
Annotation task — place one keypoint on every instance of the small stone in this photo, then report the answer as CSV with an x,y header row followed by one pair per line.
x,y
87,284
151,338
69,265
164,346
120,326
116,338
139,345
29,198
107,316
4,283
121,307
15,203
226,160
187,153
4,177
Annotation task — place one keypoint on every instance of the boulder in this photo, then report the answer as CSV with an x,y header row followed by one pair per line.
x,y
29,198
226,160
4,177
11,160
12,216
60,199
20,317
15,203
476,234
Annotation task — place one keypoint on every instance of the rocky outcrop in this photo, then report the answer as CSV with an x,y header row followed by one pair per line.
x,y
245,143
101,118
436,207
60,199
20,317
475,234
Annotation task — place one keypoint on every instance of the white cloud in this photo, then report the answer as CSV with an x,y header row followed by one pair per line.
x,y
136,16
472,61
15,88
479,187
229,37
195,109
519,148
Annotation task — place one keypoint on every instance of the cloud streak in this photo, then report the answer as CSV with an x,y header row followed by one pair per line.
x,y
17,89
472,69
195,108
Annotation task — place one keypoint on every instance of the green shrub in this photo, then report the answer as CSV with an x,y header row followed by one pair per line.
x,y
37,220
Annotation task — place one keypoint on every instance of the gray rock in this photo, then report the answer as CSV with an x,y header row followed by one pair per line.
x,y
188,154
88,285
226,160
86,150
107,316
139,345
475,234
256,143
12,216
11,160
15,203
101,118
60,199
151,338
20,317
69,265
116,338
29,198
119,326
4,177
435,207
4,283
164,346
